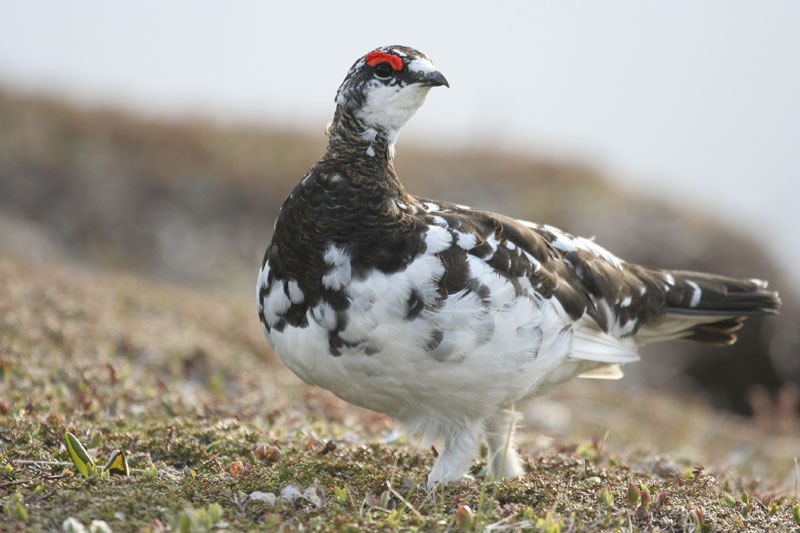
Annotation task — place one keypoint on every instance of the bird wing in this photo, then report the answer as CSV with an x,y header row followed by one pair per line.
x,y
581,281
608,298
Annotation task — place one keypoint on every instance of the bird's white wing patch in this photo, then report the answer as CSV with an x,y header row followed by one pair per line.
x,y
437,239
604,372
592,344
439,221
465,240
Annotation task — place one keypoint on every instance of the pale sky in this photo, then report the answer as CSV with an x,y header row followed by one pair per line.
x,y
694,101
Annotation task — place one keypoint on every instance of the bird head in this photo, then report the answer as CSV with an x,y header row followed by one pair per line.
x,y
382,90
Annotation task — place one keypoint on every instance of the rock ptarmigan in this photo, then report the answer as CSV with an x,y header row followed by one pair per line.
x,y
443,316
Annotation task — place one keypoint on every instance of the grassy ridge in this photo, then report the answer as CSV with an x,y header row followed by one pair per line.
x,y
222,435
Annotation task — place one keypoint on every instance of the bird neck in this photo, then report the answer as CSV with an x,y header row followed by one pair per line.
x,y
348,134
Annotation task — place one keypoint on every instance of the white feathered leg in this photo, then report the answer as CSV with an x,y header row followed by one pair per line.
x,y
460,448
503,460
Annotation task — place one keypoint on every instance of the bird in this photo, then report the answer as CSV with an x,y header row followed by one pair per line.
x,y
443,316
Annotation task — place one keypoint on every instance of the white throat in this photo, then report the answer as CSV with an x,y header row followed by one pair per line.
x,y
387,109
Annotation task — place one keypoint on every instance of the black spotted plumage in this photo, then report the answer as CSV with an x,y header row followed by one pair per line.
x,y
346,200
442,315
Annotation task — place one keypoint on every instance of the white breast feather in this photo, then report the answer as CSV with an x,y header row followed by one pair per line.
x,y
437,239
324,315
276,303
295,294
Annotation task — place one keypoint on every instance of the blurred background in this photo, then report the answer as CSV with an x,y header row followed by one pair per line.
x,y
160,139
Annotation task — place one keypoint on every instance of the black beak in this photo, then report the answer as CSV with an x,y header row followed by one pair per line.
x,y
434,79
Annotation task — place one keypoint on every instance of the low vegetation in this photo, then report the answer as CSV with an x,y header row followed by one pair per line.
x,y
219,435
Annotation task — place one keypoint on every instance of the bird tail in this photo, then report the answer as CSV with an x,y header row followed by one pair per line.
x,y
708,308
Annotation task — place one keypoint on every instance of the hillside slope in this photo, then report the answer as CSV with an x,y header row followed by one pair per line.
x,y
194,203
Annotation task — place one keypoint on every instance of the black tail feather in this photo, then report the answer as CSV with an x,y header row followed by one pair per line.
x,y
701,297
719,296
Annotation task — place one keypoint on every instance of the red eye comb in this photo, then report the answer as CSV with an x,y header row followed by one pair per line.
x,y
373,58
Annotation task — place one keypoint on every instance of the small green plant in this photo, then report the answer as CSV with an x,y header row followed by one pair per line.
x,y
645,496
340,494
633,495
549,524
605,497
209,448
199,520
772,510
747,505
16,508
117,463
80,457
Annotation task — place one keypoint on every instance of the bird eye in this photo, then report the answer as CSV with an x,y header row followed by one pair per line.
x,y
383,69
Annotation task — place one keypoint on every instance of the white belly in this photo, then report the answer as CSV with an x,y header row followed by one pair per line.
x,y
405,348
462,357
